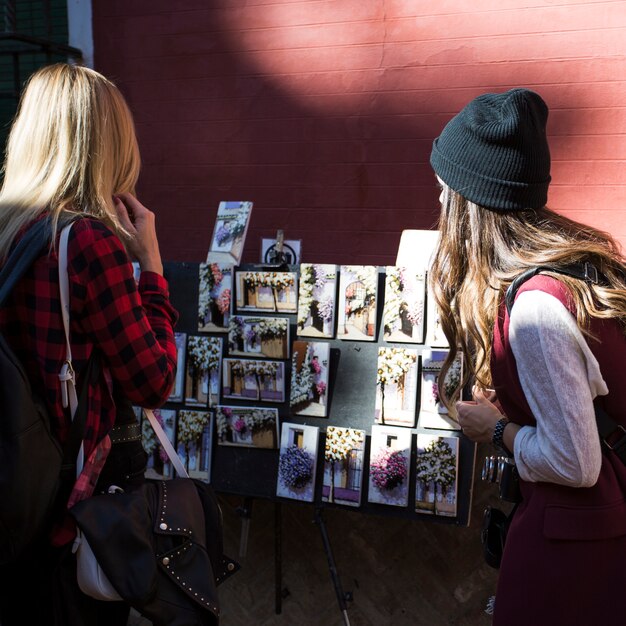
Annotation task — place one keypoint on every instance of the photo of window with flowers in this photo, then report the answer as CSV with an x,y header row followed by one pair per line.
x,y
396,387
204,358
437,467
194,438
245,379
297,462
229,234
316,300
214,297
178,389
251,427
275,292
343,466
433,413
356,311
403,313
309,378
158,465
390,456
258,336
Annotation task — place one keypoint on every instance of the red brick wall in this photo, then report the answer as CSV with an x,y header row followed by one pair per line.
x,y
323,112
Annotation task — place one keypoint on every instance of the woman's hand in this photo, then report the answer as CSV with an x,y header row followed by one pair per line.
x,y
478,418
140,223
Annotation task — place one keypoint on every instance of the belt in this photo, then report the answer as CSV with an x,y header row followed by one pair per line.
x,y
125,433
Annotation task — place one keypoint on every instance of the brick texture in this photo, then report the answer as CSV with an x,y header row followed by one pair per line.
x,y
323,112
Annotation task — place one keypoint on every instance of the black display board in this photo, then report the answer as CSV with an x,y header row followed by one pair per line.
x,y
252,472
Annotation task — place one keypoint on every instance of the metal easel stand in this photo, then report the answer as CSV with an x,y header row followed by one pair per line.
x,y
342,597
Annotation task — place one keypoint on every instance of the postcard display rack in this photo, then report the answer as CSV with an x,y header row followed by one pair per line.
x,y
402,457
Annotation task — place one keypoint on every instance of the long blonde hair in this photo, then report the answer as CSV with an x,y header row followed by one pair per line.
x,y
71,147
481,251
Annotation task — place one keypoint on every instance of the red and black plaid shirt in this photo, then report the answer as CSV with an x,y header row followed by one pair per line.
x,y
130,326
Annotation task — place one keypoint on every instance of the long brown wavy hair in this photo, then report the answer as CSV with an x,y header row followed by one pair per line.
x,y
481,251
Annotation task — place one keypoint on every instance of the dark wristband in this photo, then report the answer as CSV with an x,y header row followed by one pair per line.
x,y
498,436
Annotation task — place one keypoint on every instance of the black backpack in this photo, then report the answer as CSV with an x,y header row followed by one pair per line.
x,y
32,466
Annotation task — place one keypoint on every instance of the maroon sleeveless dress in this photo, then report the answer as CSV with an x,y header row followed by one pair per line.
x,y
565,557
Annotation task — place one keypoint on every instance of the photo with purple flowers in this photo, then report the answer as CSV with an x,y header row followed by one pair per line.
x,y
297,463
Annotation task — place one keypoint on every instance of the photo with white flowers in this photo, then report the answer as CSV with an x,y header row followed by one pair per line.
x,y
405,299
309,378
247,379
158,466
258,336
178,389
343,466
396,386
434,332
194,442
356,305
297,462
437,468
229,233
204,359
249,426
275,292
390,457
433,413
214,296
317,300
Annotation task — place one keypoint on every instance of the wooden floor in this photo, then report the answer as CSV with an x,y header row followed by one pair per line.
x,y
405,573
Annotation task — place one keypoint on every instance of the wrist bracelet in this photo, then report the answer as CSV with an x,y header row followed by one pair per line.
x,y
498,435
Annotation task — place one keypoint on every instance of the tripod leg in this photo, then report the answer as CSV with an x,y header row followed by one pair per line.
x,y
278,559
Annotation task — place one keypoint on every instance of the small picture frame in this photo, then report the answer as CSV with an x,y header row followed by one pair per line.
x,y
158,466
247,426
253,380
194,442
436,475
253,336
229,233
269,292
343,466
433,413
297,463
204,359
291,252
178,389
396,386
389,467
214,297
309,378
317,300
358,295
405,301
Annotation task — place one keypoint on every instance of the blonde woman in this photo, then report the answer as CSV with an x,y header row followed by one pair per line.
x,y
561,347
72,150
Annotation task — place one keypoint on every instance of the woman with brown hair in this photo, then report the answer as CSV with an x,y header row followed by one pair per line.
x,y
559,349
72,152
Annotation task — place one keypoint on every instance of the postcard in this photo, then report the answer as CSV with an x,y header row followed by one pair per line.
x,y
229,233
433,413
249,426
258,336
291,253
297,462
317,300
390,457
159,465
434,332
246,379
343,466
214,297
396,386
178,389
204,358
405,299
194,437
309,378
358,293
437,468
269,292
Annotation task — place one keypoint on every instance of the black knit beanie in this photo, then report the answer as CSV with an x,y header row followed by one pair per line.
x,y
495,152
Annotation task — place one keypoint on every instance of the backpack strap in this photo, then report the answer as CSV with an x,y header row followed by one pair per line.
x,y
29,247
